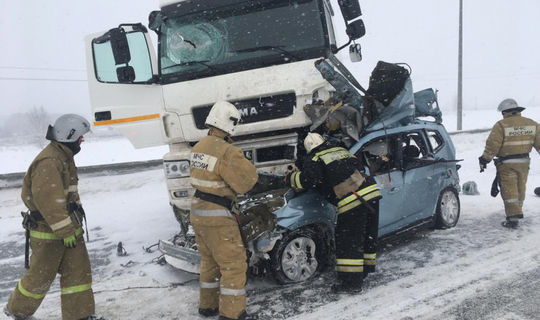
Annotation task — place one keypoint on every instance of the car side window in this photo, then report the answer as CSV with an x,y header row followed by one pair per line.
x,y
413,149
379,155
436,140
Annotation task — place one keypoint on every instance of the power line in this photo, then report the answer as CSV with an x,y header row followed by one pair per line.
x,y
43,79
40,68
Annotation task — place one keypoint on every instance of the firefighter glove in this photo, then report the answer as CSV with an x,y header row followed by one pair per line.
x,y
71,241
483,163
287,179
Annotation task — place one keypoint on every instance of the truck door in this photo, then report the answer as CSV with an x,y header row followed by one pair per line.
x,y
124,93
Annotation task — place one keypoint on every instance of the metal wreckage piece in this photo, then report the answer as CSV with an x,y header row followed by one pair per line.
x,y
257,224
389,101
347,115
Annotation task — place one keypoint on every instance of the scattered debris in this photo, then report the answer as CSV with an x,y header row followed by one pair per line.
x,y
120,250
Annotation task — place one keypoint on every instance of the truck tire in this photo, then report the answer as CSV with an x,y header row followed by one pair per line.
x,y
297,257
448,209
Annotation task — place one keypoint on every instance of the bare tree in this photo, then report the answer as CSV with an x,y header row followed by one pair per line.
x,y
38,122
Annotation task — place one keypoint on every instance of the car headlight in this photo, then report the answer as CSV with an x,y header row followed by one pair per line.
x,y
176,169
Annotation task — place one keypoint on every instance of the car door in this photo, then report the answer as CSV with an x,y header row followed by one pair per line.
x,y
124,93
420,186
384,166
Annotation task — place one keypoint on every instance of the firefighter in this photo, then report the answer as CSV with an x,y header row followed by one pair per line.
x,y
54,227
335,173
511,140
219,171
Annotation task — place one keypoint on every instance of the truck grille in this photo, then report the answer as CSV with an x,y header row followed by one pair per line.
x,y
254,110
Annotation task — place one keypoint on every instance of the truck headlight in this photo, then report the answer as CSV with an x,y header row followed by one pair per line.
x,y
176,169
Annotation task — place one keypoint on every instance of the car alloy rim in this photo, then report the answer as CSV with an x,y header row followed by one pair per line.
x,y
449,207
298,260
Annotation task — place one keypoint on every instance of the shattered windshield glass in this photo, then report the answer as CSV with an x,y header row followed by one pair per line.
x,y
240,37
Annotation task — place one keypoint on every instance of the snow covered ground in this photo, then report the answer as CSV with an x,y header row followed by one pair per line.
x,y
477,270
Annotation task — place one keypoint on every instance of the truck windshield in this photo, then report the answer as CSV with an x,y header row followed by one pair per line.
x,y
246,35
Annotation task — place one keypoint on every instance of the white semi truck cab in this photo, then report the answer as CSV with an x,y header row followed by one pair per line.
x,y
257,54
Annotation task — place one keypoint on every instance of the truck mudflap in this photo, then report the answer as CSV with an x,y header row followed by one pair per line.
x,y
182,258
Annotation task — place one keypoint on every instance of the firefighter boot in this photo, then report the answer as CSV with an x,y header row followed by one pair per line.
x,y
208,312
346,288
93,317
12,316
243,316
510,223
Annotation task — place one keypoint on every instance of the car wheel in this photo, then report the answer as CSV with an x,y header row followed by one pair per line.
x,y
297,257
448,209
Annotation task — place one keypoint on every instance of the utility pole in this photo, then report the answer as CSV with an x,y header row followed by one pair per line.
x,y
460,69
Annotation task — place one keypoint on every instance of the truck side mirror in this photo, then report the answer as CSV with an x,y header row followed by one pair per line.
x,y
125,74
355,52
119,44
350,9
356,29
155,20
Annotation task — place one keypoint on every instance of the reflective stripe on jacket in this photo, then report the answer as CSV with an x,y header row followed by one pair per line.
x,y
49,185
368,193
219,168
512,135
334,171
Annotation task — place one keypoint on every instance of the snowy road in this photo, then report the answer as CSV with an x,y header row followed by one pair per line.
x,y
477,270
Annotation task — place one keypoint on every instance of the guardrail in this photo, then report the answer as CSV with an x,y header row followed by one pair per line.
x,y
14,180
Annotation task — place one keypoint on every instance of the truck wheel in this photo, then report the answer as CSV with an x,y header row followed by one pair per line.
x,y
297,257
448,209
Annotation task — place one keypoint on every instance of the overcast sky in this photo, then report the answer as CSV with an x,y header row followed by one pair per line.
x,y
44,40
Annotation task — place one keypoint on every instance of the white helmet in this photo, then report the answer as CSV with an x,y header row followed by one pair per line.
x,y
509,104
68,128
377,148
224,116
312,141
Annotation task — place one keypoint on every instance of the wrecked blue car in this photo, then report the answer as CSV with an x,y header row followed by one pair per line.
x,y
403,145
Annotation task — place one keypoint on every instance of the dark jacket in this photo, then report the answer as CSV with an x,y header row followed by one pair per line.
x,y
334,171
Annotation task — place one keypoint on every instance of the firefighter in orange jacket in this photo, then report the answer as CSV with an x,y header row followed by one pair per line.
x,y
219,171
335,172
54,226
510,141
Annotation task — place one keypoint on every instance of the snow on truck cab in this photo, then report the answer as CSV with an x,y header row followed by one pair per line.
x,y
257,54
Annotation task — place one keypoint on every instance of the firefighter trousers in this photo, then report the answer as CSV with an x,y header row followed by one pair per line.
x,y
223,264
356,243
513,184
49,257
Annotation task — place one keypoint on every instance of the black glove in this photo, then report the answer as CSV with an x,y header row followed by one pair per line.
x,y
483,163
287,179
74,207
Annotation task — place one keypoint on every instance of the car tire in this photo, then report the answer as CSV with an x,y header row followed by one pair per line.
x,y
297,256
448,209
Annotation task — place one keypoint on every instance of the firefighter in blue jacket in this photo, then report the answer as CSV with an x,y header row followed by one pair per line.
x,y
335,172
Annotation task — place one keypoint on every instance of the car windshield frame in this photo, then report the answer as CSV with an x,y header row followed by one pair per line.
x,y
241,54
